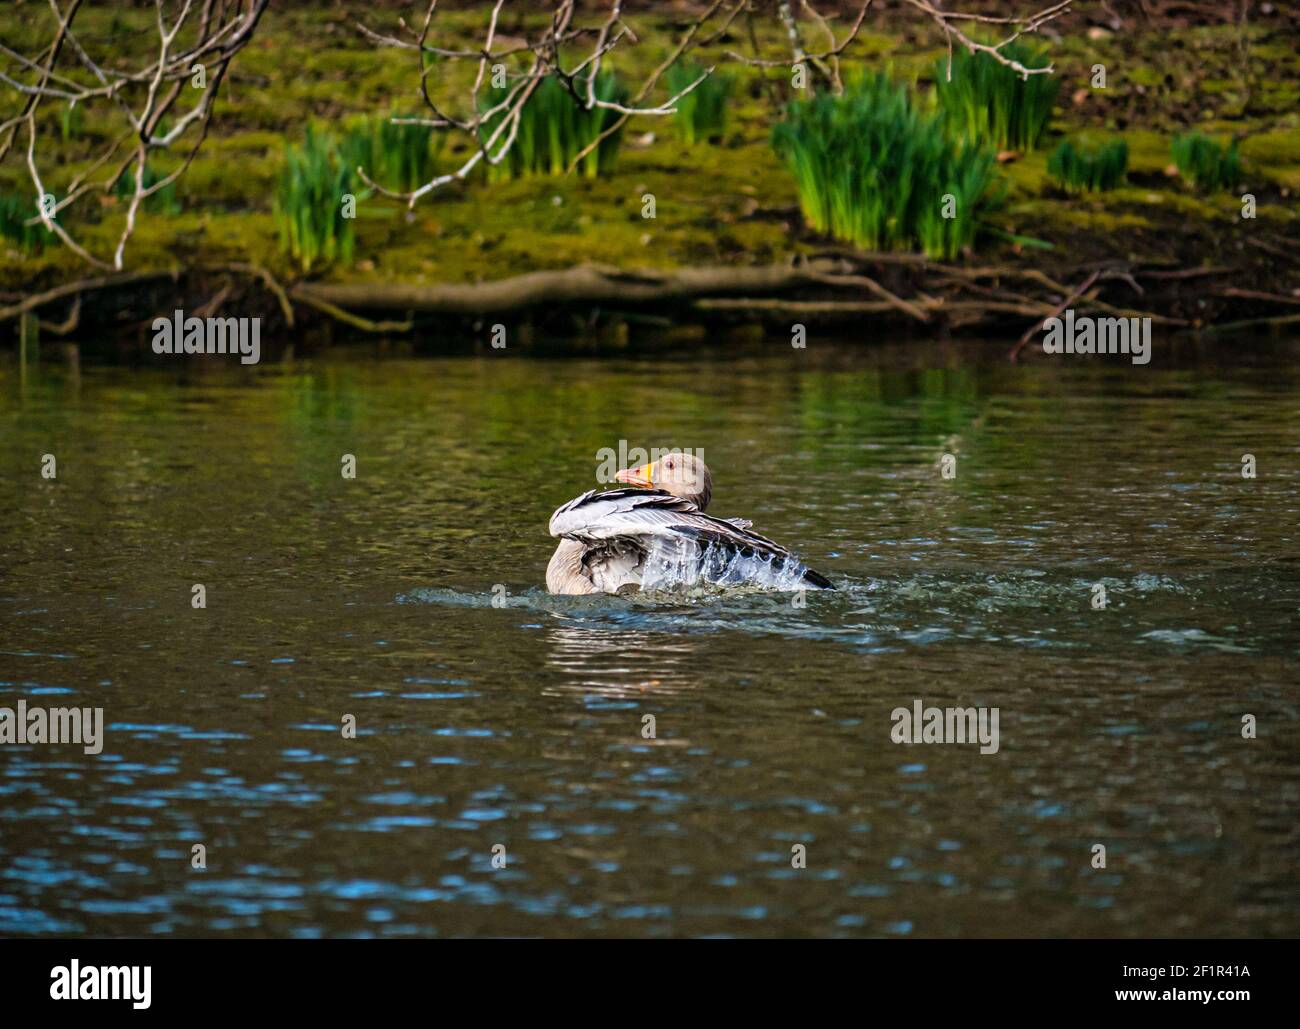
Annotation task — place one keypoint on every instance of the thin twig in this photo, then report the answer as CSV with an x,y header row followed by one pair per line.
x,y
1078,292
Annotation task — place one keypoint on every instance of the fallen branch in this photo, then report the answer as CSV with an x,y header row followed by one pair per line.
x,y
1079,291
348,318
214,305
268,279
923,291
1251,323
871,285
1254,294
31,303
1269,248
588,284
962,310
1185,273
69,324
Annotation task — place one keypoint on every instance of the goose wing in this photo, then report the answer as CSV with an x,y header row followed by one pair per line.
x,y
634,514
597,517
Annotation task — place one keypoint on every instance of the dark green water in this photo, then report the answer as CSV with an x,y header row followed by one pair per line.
x,y
521,725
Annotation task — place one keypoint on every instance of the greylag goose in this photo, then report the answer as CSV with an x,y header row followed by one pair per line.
x,y
654,534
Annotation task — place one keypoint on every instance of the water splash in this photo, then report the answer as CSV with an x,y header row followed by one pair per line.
x,y
1033,608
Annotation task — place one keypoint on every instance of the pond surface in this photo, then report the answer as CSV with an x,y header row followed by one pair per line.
x,y
521,723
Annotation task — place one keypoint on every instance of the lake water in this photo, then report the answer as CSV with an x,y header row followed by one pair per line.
x,y
521,725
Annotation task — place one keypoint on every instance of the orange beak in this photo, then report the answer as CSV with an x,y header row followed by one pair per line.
x,y
636,476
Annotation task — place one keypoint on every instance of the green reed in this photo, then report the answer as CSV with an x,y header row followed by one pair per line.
x,y
701,113
70,123
872,170
1208,164
985,101
308,203
14,213
162,202
1079,168
554,128
398,156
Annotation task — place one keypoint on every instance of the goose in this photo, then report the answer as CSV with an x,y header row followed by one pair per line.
x,y
652,533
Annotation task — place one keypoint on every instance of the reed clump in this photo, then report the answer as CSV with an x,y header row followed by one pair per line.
x,y
309,205
872,170
1082,169
397,155
1207,164
701,113
15,211
986,101
555,127
162,202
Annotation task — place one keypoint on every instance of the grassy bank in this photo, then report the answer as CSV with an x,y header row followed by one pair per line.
x,y
728,200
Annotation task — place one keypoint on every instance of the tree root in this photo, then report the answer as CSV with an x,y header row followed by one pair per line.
x,y
68,325
583,284
269,280
348,318
1079,291
102,282
822,286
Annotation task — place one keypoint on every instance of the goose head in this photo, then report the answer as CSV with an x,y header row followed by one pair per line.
x,y
682,475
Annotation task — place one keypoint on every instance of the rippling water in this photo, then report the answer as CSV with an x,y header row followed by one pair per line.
x,y
489,713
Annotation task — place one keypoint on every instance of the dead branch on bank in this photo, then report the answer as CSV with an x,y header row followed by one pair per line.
x,y
348,318
66,327
1255,294
581,285
95,285
1079,291
834,287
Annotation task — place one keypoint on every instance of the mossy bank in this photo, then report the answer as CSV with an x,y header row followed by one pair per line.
x,y
728,201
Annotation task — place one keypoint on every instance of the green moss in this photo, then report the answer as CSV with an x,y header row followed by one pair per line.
x,y
1148,151
1275,156
1184,205
1027,174
1096,219
1287,178
1142,75
1212,86
1280,52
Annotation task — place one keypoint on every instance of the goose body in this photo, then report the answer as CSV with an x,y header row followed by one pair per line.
x,y
645,537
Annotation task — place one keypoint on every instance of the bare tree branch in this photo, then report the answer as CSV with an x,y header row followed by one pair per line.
x,y
195,43
493,128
